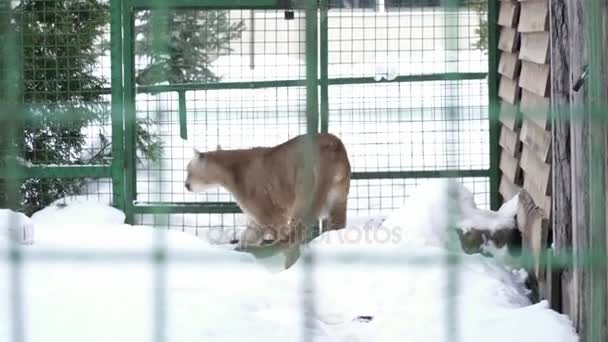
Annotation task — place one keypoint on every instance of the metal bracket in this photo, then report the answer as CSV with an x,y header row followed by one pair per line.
x,y
289,13
581,80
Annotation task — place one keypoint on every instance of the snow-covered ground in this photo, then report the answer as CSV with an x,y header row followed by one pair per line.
x,y
371,291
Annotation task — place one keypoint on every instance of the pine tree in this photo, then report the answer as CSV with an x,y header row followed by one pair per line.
x,y
194,39
62,94
59,91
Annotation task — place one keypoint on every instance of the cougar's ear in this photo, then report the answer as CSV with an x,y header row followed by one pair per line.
x,y
198,154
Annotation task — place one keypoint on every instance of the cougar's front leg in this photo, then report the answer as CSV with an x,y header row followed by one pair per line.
x,y
292,239
252,236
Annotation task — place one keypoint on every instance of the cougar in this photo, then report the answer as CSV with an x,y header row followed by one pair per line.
x,y
282,189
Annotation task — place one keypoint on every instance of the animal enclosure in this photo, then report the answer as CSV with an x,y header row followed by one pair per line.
x,y
106,99
404,85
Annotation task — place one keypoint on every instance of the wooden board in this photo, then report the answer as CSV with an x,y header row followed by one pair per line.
x,y
509,166
535,230
561,219
570,222
534,16
551,290
536,139
543,202
508,40
507,189
509,115
535,77
535,47
536,108
508,90
508,14
509,65
536,171
509,141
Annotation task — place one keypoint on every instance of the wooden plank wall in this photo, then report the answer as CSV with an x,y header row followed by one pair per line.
x,y
509,67
525,133
570,147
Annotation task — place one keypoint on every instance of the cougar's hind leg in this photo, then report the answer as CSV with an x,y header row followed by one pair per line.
x,y
338,206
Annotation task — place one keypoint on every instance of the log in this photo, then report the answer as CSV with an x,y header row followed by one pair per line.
x,y
560,140
578,138
561,207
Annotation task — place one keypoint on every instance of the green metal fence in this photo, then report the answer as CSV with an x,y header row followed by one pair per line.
x,y
310,67
433,116
315,72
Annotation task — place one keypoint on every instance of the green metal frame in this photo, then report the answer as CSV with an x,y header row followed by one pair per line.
x,y
118,158
596,104
316,82
493,102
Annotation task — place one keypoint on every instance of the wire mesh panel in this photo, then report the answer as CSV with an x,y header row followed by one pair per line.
x,y
407,93
401,82
408,126
65,137
246,89
243,92
380,197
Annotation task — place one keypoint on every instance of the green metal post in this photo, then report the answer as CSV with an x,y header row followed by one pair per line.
x,y
11,81
324,59
493,102
207,4
129,111
118,191
596,170
183,128
312,69
452,94
310,153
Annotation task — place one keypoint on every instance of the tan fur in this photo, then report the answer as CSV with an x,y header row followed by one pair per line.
x,y
281,189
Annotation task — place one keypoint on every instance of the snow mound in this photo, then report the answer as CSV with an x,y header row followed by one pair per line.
x,y
433,208
439,210
16,227
78,211
395,290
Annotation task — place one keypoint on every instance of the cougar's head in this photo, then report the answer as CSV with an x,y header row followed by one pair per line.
x,y
200,175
